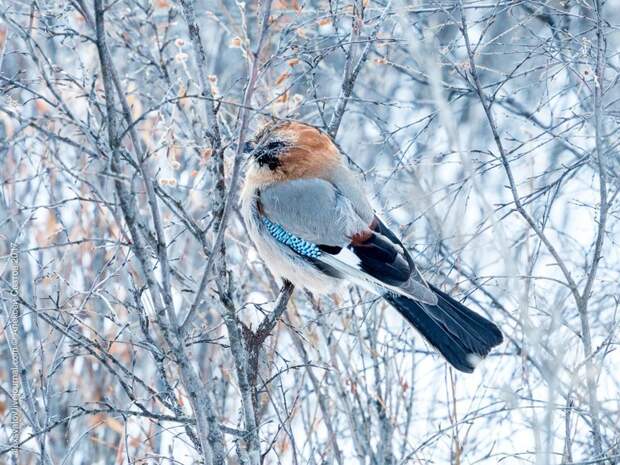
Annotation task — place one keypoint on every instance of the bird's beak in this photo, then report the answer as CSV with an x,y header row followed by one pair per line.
x,y
248,147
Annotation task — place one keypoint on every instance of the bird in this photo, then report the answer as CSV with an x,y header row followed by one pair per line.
x,y
306,209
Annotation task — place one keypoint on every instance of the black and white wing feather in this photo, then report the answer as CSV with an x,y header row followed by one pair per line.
x,y
354,243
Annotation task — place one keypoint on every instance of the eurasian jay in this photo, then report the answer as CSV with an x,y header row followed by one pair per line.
x,y
307,213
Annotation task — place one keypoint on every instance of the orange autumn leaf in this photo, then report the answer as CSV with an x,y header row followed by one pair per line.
x,y
133,101
114,425
41,106
96,419
120,350
52,227
287,5
283,445
2,36
281,78
282,98
135,441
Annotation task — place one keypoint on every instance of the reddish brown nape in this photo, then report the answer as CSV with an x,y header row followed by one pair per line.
x,y
312,153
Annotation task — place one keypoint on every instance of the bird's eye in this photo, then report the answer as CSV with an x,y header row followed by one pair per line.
x,y
268,153
274,145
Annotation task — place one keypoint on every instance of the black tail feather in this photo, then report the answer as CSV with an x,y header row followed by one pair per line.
x,y
459,334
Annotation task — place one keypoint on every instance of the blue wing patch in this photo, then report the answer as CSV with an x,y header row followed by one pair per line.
x,y
299,245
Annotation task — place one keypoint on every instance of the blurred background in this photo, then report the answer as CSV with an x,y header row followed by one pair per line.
x,y
150,332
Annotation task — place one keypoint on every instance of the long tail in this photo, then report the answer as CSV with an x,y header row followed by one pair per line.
x,y
460,335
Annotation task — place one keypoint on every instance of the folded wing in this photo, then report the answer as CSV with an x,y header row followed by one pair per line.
x,y
354,243
312,209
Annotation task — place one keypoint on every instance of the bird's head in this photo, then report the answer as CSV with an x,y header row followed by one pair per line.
x,y
291,150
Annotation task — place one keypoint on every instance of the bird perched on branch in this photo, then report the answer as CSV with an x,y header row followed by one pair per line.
x,y
307,213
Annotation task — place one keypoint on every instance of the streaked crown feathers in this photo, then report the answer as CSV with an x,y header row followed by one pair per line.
x,y
291,150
